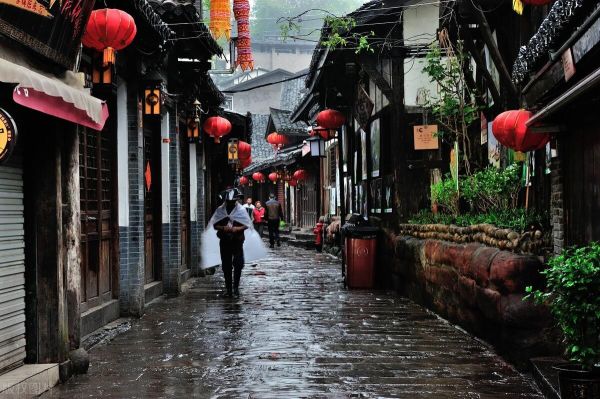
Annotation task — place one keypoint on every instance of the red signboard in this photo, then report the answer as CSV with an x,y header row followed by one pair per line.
x,y
52,28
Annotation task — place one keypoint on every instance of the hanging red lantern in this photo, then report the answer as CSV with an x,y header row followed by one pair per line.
x,y
277,140
217,127
299,175
241,10
273,177
244,150
244,181
244,163
510,130
326,134
293,183
109,30
258,177
331,119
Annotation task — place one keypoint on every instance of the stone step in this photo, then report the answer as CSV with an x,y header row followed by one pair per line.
x,y
545,376
304,236
308,244
28,381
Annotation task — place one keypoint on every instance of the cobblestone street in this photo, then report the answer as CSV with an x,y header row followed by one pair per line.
x,y
295,332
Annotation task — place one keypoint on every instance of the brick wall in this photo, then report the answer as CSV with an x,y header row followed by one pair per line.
x,y
171,237
131,240
557,206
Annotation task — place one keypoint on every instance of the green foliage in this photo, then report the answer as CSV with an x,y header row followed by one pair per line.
x,y
453,106
445,195
573,284
492,189
517,219
341,35
306,17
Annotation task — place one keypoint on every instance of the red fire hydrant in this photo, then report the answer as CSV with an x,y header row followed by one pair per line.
x,y
318,231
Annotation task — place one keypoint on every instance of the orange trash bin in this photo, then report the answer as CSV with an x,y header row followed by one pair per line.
x,y
361,254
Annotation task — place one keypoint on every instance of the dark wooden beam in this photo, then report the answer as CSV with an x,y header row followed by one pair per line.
x,y
491,85
486,33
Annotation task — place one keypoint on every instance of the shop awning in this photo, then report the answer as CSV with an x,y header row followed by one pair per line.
x,y
63,98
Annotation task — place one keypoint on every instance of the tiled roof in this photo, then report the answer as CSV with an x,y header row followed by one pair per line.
x,y
284,157
261,150
280,119
292,91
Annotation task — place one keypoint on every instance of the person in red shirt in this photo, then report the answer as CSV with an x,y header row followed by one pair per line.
x,y
258,217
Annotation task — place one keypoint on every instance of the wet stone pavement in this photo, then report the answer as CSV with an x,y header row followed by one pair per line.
x,y
295,332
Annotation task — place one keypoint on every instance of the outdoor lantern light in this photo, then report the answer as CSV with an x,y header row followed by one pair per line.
x,y
258,177
217,127
244,163
317,146
193,124
277,140
300,175
273,177
152,99
244,150
244,181
232,152
108,30
510,130
331,119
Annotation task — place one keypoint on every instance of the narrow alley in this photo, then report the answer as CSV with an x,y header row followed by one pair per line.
x,y
295,332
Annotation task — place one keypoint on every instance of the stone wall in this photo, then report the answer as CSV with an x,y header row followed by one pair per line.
x,y
479,288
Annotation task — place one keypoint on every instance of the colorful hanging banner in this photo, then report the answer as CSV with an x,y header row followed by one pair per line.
x,y
220,18
241,11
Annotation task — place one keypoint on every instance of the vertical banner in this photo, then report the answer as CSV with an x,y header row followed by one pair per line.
x,y
375,147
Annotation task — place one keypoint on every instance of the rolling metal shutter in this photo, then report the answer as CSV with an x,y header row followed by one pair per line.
x,y
12,268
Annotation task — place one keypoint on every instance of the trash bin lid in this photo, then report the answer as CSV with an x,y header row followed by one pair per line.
x,y
360,231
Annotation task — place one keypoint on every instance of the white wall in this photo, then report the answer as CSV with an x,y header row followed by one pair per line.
x,y
421,23
122,150
164,170
414,79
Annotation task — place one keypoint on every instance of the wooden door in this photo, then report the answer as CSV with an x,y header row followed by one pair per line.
x,y
152,192
309,202
96,154
185,203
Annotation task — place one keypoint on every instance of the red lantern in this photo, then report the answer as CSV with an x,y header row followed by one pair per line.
x,y
241,10
258,177
217,127
293,183
331,119
537,2
244,150
277,140
273,177
299,175
326,134
244,181
511,131
107,30
244,163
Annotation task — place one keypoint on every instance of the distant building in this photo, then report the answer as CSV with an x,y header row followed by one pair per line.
x,y
292,56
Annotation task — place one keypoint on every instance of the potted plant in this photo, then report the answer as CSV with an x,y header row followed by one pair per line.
x,y
573,297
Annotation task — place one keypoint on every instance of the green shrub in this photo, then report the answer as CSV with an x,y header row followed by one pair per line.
x,y
445,195
492,189
517,219
573,284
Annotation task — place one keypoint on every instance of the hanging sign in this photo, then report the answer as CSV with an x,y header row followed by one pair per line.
x,y
8,135
426,137
568,64
51,28
363,108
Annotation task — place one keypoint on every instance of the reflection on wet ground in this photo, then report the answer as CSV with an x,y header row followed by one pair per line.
x,y
295,332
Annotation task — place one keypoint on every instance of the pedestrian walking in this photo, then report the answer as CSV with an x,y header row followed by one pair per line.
x,y
249,207
232,228
274,216
258,217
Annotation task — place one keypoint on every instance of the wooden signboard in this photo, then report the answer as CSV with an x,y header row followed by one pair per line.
x,y
426,137
363,108
51,28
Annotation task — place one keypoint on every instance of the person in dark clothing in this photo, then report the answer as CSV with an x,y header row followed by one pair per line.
x,y
274,215
232,221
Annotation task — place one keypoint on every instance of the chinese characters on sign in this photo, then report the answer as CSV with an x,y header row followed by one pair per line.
x,y
426,137
52,28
